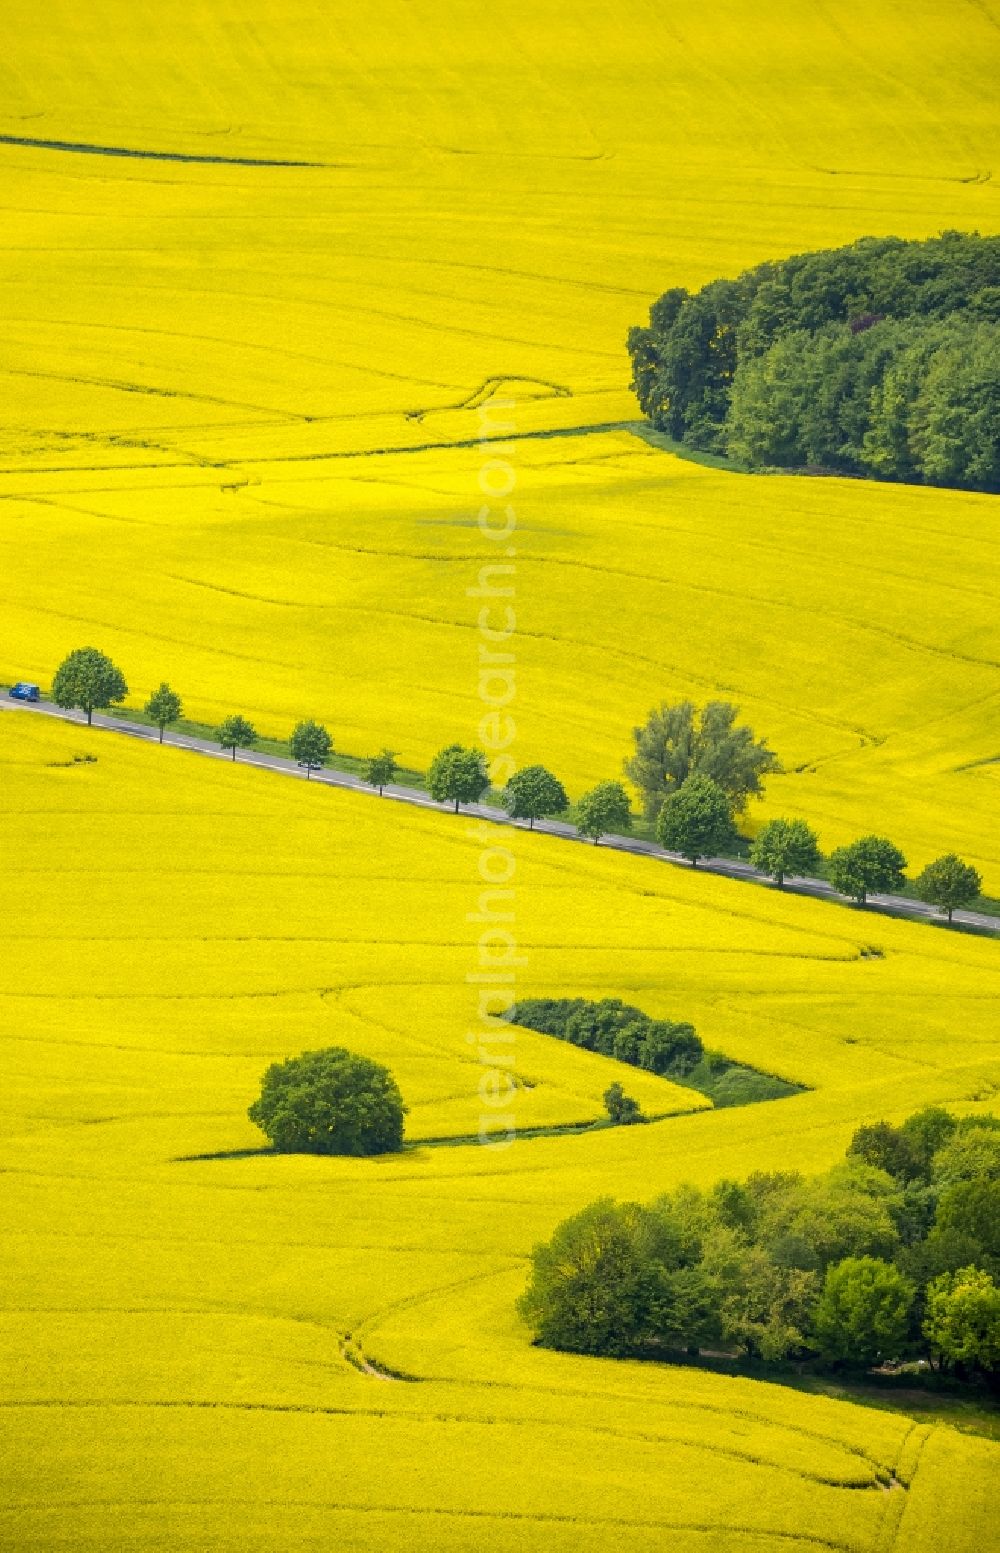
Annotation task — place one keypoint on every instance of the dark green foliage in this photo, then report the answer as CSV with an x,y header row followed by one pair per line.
x,y
88,679
927,1131
863,1315
783,1266
785,847
948,883
622,1110
617,1279
605,808
164,707
677,742
458,775
881,358
697,820
311,746
664,1046
886,1148
330,1102
971,1210
380,769
236,733
534,794
614,1029
869,864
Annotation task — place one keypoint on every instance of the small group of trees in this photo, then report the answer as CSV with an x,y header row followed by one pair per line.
x,y
892,1255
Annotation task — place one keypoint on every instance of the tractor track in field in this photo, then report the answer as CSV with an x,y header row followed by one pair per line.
x,y
87,148
731,868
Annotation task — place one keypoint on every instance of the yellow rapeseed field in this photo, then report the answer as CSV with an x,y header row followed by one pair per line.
x,y
182,1335
217,371
266,270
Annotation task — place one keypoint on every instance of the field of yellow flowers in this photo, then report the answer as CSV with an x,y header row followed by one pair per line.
x,y
196,1348
343,232
266,271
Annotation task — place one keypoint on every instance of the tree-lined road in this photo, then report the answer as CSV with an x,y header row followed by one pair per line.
x,y
732,868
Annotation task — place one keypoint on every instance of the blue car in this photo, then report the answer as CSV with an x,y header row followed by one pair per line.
x,y
22,691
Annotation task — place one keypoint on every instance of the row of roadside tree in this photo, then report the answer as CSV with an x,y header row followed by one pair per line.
x,y
694,769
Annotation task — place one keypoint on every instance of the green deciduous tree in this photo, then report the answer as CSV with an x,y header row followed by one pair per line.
x,y
533,794
948,883
863,1314
785,847
621,1108
677,742
88,679
886,1148
869,864
311,746
458,775
604,809
697,820
380,769
236,734
617,1278
962,1322
164,707
330,1102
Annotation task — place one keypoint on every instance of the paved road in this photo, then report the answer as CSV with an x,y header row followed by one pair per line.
x,y
889,905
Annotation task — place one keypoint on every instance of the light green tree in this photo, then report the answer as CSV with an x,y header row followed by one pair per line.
x,y
678,741
236,733
697,820
88,679
863,1313
871,863
604,809
311,746
785,847
380,769
533,794
962,1323
458,775
164,707
948,883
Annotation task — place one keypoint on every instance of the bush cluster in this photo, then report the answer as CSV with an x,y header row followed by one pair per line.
x,y
892,1254
670,1048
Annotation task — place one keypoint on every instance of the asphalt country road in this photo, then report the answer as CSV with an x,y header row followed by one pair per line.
x,y
732,868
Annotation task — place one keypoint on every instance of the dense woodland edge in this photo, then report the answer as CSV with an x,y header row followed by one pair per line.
x,y
879,359
892,1257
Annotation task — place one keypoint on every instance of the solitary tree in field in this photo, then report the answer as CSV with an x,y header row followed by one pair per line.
x,y
89,680
458,775
330,1102
380,769
697,820
164,707
785,847
872,863
621,1108
677,742
948,883
605,808
311,746
534,794
236,734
